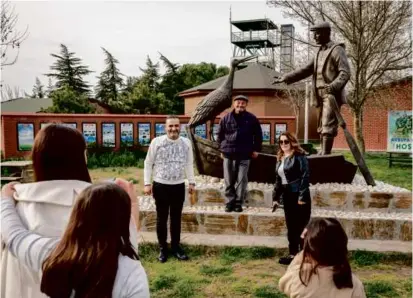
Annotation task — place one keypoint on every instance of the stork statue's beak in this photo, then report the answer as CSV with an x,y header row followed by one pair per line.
x,y
248,58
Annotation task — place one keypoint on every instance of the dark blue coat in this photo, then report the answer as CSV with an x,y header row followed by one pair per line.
x,y
242,138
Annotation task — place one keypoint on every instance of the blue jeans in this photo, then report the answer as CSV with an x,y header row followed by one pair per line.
x,y
236,180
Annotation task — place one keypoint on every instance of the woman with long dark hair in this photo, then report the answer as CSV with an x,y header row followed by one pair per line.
x,y
292,187
61,173
94,258
322,269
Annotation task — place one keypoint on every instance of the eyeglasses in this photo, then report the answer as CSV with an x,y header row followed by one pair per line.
x,y
285,142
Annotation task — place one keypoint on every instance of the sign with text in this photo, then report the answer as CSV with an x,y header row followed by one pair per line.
x,y
399,131
279,129
108,134
200,131
89,132
126,134
266,133
25,136
144,134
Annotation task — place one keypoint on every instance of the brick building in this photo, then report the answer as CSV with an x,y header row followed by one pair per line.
x,y
392,96
106,130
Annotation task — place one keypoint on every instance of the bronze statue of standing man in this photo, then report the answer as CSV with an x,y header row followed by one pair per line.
x,y
331,72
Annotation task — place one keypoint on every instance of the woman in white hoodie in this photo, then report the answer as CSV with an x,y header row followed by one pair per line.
x,y
94,258
60,170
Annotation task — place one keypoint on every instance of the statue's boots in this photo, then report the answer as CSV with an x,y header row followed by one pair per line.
x,y
327,145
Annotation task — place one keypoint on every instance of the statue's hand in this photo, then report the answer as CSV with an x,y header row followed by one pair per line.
x,y
328,89
278,80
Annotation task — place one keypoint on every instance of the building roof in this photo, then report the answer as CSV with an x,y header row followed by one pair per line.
x,y
254,77
26,105
34,105
255,25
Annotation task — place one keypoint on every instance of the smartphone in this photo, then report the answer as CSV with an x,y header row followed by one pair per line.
x,y
110,180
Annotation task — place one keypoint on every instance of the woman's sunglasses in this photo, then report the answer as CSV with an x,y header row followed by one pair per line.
x,y
285,142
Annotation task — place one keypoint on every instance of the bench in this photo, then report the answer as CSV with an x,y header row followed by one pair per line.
x,y
10,179
18,170
399,157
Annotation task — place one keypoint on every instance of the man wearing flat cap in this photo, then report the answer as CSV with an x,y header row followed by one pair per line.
x,y
331,72
240,139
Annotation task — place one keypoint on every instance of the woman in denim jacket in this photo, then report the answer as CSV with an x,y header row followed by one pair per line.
x,y
292,187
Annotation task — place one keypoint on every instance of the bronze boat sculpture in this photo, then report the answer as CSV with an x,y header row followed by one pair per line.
x,y
323,168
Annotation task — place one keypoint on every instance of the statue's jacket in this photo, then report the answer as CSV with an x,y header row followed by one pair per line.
x,y
336,72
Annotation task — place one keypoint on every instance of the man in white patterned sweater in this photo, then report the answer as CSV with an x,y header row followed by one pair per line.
x,y
169,160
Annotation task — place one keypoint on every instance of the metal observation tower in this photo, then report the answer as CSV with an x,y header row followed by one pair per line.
x,y
263,38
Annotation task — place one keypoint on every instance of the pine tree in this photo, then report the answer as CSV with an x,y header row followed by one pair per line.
x,y
38,91
50,88
151,76
69,71
110,80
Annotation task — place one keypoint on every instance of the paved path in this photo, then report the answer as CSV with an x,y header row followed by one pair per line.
x,y
277,242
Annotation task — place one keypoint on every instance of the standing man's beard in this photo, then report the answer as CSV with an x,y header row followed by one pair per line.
x,y
174,133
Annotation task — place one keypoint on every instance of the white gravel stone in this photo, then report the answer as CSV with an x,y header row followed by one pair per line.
x,y
148,204
358,185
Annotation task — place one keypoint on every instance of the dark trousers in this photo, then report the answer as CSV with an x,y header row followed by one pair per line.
x,y
296,218
169,200
236,180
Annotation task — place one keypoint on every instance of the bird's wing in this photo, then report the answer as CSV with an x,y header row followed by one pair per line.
x,y
213,104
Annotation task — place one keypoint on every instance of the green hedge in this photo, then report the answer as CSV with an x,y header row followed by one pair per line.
x,y
125,157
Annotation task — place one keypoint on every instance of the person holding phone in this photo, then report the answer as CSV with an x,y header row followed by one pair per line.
x,y
94,256
322,268
292,187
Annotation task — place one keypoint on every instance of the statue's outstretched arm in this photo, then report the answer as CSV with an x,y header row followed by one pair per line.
x,y
299,74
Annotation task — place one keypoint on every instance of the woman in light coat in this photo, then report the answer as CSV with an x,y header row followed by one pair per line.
x,y
60,170
94,258
322,269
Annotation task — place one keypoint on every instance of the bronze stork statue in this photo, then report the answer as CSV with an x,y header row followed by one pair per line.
x,y
211,106
217,101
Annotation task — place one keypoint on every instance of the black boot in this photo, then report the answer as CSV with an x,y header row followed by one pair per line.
x,y
179,253
327,145
163,255
286,260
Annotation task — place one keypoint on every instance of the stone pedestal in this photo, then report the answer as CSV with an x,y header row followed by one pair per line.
x,y
370,213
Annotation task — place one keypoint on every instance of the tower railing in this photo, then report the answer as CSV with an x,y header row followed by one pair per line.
x,y
254,36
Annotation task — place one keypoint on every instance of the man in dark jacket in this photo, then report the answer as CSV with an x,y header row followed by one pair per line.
x,y
240,139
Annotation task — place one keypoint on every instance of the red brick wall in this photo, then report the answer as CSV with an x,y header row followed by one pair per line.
x,y
375,118
9,122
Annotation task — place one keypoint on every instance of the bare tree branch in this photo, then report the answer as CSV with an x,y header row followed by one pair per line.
x,y
11,37
377,38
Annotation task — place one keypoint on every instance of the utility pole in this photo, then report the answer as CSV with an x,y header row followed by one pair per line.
x,y
307,91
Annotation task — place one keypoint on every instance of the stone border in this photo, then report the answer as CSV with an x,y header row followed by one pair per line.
x,y
273,224
332,200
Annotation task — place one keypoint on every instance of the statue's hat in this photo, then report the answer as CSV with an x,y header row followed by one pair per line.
x,y
320,26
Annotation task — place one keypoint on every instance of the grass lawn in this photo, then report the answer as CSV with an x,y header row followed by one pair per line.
x,y
128,173
254,272
398,174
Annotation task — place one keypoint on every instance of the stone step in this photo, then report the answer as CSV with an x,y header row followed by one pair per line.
x,y
325,199
258,221
275,242
346,197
